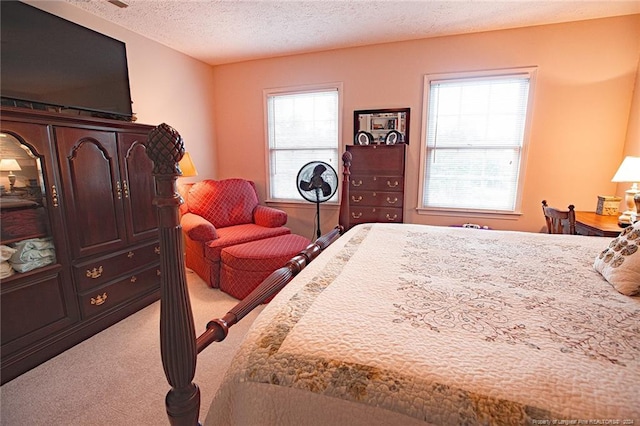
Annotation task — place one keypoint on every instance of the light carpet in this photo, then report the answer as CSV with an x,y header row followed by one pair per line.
x,y
116,377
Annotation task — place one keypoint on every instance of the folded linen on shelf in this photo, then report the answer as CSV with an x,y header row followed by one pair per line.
x,y
5,269
28,266
32,253
6,252
33,249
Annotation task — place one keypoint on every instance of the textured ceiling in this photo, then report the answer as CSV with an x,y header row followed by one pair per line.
x,y
224,31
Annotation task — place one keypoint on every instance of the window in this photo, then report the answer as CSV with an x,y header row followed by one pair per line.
x,y
302,126
475,140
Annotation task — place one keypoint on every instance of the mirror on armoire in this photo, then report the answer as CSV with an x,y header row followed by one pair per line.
x,y
25,232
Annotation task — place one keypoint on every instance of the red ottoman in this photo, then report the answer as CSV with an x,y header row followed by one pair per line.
x,y
244,266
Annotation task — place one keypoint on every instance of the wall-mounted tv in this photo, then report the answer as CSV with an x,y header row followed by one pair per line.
x,y
50,63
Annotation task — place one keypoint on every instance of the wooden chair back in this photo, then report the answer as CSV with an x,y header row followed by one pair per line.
x,y
556,219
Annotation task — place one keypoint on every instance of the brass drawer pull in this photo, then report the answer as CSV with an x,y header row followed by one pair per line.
x,y
391,218
54,195
95,272
356,215
133,279
390,201
392,185
354,183
356,199
157,250
99,299
158,273
130,254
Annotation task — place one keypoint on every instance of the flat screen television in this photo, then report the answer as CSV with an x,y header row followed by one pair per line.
x,y
50,63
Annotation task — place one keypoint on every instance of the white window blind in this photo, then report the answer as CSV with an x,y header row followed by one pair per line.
x,y
474,142
301,127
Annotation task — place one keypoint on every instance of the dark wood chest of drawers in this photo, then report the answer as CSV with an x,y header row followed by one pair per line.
x,y
376,184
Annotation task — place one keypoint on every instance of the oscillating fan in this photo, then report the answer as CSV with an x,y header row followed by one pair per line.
x,y
317,182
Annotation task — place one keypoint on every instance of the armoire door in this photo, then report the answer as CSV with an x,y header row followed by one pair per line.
x,y
92,192
36,296
138,186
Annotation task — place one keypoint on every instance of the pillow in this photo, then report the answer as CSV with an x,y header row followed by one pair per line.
x,y
620,262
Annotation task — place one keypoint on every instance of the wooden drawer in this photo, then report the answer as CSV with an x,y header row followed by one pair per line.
x,y
374,214
370,159
98,271
375,198
376,183
110,295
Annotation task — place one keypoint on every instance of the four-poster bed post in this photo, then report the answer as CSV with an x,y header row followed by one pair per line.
x,y
177,332
178,344
344,204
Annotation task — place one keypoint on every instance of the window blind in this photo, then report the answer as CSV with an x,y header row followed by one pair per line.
x,y
475,136
302,127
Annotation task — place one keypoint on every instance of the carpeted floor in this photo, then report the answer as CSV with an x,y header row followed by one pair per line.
x,y
116,377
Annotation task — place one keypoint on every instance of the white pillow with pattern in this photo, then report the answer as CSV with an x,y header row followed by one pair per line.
x,y
620,262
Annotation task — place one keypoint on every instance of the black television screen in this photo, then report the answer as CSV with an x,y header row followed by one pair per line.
x,y
49,61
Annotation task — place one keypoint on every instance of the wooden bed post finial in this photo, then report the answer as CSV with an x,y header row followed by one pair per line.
x,y
343,218
177,332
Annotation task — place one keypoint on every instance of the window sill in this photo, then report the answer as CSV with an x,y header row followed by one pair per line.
x,y
486,214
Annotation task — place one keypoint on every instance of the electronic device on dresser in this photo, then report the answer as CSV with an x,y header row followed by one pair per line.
x,y
79,234
49,63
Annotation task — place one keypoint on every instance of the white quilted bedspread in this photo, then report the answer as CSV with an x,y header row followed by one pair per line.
x,y
412,324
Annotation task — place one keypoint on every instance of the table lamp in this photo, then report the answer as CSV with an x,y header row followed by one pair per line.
x,y
189,169
10,165
629,171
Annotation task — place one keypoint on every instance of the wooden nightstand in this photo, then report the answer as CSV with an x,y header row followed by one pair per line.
x,y
590,223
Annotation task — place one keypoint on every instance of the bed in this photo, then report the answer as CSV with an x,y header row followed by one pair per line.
x,y
415,324
405,324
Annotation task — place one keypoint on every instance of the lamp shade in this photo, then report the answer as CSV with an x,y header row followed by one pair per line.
x,y
629,170
9,165
187,167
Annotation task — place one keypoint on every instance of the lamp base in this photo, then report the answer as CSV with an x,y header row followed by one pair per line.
x,y
626,218
12,181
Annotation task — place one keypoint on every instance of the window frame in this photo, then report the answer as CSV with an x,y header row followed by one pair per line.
x,y
293,90
476,75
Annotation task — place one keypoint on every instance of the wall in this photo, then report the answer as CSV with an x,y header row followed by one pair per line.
x,y
632,146
166,86
586,105
586,76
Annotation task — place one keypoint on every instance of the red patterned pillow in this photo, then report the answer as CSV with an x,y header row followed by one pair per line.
x,y
225,202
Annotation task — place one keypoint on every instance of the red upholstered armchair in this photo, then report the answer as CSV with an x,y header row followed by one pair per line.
x,y
219,214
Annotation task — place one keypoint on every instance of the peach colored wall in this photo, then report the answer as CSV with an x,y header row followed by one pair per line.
x,y
166,86
582,100
584,108
632,146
